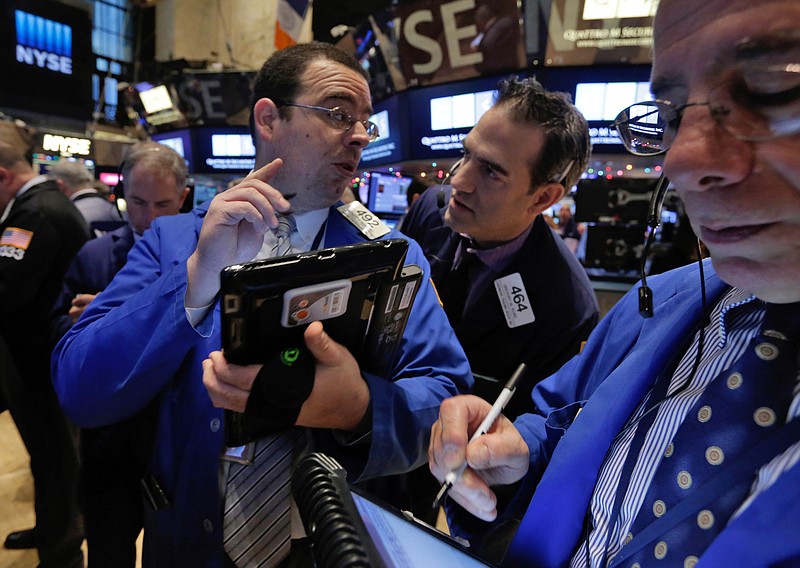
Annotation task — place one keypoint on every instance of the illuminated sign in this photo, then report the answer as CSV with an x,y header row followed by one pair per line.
x,y
43,43
66,145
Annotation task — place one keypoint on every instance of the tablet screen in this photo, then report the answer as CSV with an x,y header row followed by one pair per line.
x,y
401,543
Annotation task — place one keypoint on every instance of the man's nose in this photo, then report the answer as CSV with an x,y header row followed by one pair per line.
x,y
704,155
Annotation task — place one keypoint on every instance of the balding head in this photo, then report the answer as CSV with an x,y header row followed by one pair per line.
x,y
71,176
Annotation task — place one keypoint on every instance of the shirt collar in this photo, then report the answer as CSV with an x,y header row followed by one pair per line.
x,y
30,183
309,225
80,192
498,257
737,309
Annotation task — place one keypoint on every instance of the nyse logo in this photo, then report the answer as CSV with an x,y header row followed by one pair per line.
x,y
43,43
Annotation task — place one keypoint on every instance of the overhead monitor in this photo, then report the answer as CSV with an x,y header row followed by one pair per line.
x,y
224,149
390,146
178,140
600,93
388,194
588,32
443,115
156,99
46,58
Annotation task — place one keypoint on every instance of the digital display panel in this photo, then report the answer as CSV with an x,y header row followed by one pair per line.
x,y
178,140
387,193
390,145
444,114
588,32
227,149
600,93
46,58
202,192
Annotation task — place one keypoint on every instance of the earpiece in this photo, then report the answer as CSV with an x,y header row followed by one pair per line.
x,y
653,220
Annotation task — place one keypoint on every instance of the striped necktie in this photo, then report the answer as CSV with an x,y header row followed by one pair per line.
x,y
257,516
286,226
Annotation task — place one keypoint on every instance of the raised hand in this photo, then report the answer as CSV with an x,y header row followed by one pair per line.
x,y
233,231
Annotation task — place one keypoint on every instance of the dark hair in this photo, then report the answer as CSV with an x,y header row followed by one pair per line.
x,y
279,77
566,130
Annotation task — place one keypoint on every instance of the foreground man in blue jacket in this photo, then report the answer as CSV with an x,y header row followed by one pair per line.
x,y
156,328
650,396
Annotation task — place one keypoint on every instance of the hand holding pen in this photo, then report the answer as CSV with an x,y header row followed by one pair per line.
x,y
455,474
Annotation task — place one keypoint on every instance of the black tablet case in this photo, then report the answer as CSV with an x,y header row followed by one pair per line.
x,y
381,294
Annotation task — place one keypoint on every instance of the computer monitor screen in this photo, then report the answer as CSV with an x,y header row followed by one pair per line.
x,y
387,193
155,99
203,192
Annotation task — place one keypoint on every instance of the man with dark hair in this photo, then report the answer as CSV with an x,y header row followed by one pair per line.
x,y
114,457
674,440
487,238
77,183
156,331
40,232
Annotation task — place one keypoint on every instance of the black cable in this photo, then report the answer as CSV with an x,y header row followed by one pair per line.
x,y
653,221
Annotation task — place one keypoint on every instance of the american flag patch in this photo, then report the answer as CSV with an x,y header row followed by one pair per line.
x,y
19,238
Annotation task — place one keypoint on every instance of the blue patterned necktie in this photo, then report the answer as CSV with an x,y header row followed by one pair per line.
x,y
741,407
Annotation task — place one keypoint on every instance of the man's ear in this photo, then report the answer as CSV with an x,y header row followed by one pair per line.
x,y
265,114
545,196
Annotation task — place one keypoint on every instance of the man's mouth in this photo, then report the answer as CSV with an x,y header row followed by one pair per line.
x,y
724,235
458,205
348,169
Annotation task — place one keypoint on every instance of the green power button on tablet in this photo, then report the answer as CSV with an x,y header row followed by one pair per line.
x,y
289,356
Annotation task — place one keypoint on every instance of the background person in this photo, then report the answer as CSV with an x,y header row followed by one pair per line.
x,y
77,183
310,109
490,238
114,458
40,232
654,413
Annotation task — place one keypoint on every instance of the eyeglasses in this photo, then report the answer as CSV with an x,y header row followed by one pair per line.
x,y
341,119
760,104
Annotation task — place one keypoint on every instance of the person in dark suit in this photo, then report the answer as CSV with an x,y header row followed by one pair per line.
x,y
524,297
114,458
77,183
40,232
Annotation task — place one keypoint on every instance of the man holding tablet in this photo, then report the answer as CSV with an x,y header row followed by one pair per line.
x,y
156,328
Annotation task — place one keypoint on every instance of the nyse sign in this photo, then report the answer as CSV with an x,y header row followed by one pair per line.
x,y
215,98
444,40
43,43
66,145
453,34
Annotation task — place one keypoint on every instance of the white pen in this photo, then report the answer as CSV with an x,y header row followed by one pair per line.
x,y
497,408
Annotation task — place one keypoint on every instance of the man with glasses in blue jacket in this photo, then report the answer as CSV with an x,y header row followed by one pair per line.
x,y
156,330
674,440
